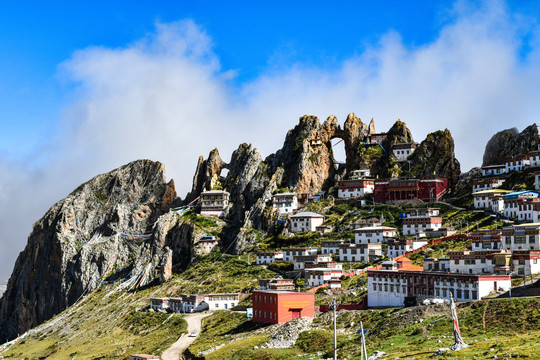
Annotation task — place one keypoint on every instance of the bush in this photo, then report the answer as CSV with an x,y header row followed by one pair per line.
x,y
315,341
281,266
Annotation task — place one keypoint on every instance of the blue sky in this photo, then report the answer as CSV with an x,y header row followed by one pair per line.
x,y
87,88
249,38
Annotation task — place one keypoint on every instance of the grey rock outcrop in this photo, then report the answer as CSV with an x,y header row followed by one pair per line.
x,y
510,142
61,260
435,156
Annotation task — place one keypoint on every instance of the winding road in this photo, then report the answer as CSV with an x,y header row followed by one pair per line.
x,y
194,325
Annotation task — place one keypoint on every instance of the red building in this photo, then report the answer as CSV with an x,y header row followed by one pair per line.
x,y
426,188
275,307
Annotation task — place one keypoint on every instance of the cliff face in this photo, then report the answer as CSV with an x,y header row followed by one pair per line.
x,y
305,164
78,242
510,142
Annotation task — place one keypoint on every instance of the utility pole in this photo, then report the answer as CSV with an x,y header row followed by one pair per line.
x,y
333,306
363,350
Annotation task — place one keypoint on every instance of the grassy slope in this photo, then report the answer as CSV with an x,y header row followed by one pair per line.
x,y
506,328
109,327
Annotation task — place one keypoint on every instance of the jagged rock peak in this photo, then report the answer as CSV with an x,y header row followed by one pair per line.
x,y
59,262
207,174
510,142
398,134
435,156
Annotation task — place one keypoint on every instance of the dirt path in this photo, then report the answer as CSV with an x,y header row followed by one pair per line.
x,y
194,325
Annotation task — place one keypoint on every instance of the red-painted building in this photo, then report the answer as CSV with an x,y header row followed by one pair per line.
x,y
426,188
276,307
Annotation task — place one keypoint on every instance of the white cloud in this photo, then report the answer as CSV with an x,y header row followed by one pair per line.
x,y
166,98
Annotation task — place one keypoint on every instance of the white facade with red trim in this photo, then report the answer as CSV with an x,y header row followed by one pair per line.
x,y
413,226
374,234
305,221
360,252
290,253
400,247
321,276
266,258
387,288
355,188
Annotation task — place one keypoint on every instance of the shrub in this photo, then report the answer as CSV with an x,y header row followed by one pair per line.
x,y
315,341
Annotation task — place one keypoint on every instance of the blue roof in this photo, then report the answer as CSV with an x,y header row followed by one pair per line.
x,y
519,194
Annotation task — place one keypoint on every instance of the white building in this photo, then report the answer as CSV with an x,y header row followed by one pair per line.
x,y
400,247
290,253
521,237
207,244
213,203
403,151
486,240
360,174
320,276
517,163
537,180
285,203
355,188
417,225
330,246
196,303
534,158
363,252
422,213
526,262
487,183
389,288
266,258
493,170
300,261
374,234
484,199
305,221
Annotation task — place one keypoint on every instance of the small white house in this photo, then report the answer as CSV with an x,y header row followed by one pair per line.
x,y
374,234
290,253
360,174
330,246
266,258
285,203
417,225
400,247
213,203
320,276
493,170
487,183
360,252
355,188
301,261
403,151
534,158
305,221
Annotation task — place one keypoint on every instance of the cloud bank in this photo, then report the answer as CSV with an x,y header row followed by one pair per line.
x,y
166,98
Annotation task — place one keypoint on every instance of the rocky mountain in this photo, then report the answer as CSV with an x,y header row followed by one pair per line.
x,y
98,230
306,164
510,142
119,226
435,156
